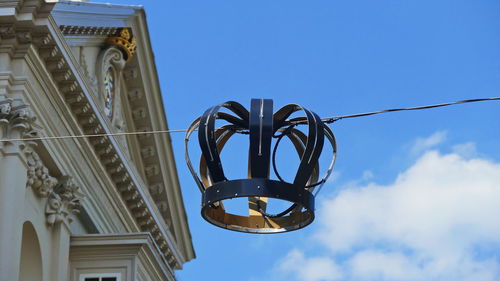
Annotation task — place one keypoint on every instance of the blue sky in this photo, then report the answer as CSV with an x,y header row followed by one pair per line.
x,y
414,196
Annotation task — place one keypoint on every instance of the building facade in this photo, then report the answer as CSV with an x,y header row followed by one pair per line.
x,y
101,208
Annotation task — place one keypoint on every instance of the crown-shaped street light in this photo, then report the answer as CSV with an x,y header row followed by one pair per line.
x,y
262,125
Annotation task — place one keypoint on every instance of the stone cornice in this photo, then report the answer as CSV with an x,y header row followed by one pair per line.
x,y
156,119
18,19
51,47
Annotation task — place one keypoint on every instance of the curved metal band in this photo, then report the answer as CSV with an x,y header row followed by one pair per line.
x,y
222,134
208,145
258,187
237,109
190,131
299,141
313,182
331,138
314,146
261,135
315,139
282,115
207,138
315,172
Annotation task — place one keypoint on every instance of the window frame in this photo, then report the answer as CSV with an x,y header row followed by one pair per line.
x,y
118,276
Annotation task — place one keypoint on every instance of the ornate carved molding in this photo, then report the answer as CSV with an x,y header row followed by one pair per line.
x,y
63,202
89,30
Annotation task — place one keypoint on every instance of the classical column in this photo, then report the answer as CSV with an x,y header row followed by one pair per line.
x,y
15,123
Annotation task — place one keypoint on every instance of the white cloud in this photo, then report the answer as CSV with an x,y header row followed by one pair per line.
x,y
438,221
367,175
308,269
466,150
369,265
437,196
423,144
334,177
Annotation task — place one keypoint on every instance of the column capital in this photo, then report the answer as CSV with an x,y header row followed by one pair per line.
x,y
17,125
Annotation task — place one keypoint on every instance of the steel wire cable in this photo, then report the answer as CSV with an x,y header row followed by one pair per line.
x,y
297,121
335,118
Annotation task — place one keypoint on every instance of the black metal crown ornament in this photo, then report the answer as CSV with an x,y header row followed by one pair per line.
x,y
262,125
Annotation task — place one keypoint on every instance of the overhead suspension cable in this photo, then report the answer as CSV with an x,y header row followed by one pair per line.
x,y
297,121
96,135
336,118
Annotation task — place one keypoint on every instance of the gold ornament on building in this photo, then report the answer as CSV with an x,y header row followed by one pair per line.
x,y
125,42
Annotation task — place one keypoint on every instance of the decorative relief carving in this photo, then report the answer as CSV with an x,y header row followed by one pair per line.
x,y
131,73
39,178
22,120
16,122
17,38
156,189
63,195
135,95
152,170
7,31
148,152
109,92
5,109
110,66
125,42
139,114
63,202
24,36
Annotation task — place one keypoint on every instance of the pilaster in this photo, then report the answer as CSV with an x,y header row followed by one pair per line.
x,y
22,170
15,123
